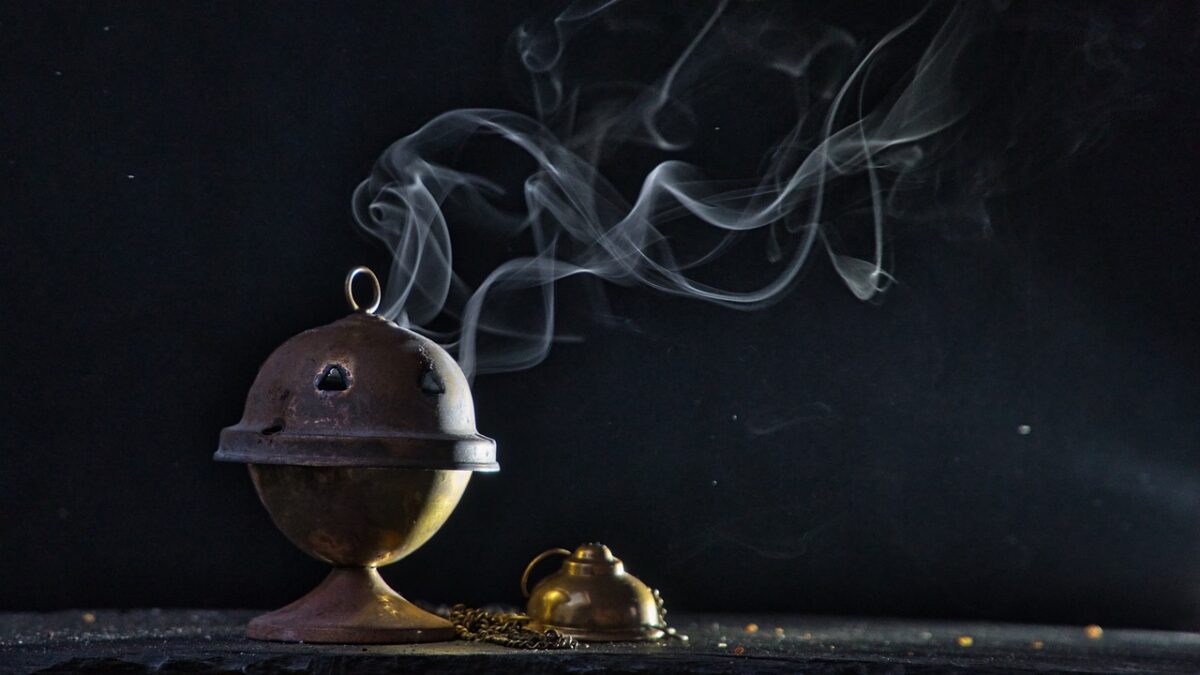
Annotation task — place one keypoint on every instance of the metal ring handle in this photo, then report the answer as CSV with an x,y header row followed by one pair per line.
x,y
350,290
540,557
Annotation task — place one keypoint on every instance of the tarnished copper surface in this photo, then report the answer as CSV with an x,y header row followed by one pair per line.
x,y
593,598
352,605
361,391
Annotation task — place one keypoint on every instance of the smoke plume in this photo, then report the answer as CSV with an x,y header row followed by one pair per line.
x,y
855,134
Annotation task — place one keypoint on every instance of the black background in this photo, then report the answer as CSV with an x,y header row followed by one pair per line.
x,y
175,203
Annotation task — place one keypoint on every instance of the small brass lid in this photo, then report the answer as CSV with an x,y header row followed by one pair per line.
x,y
592,597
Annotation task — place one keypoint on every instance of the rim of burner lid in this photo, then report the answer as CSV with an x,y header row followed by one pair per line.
x,y
397,451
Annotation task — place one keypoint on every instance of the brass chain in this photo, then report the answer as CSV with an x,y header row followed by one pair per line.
x,y
510,629
506,629
668,631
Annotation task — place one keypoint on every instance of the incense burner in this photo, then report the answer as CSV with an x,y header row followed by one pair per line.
x,y
360,440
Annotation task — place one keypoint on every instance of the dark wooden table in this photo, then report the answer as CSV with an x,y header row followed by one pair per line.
x,y
171,641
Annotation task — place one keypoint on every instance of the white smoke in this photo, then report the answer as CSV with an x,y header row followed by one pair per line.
x,y
859,139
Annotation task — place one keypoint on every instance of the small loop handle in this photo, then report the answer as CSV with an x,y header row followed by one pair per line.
x,y
350,290
540,557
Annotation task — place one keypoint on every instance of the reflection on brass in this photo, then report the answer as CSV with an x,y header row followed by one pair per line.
x,y
363,517
359,461
593,598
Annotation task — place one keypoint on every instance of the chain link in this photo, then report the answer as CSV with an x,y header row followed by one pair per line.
x,y
506,629
668,632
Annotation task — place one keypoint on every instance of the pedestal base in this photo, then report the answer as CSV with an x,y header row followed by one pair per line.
x,y
352,605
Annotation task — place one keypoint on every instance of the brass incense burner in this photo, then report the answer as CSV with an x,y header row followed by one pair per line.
x,y
593,598
360,439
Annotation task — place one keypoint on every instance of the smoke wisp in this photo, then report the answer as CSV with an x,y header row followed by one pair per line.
x,y
868,133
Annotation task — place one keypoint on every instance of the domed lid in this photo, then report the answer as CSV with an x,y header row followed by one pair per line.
x,y
593,559
592,597
361,391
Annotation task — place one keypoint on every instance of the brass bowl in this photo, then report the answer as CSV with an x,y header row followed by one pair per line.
x,y
356,519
